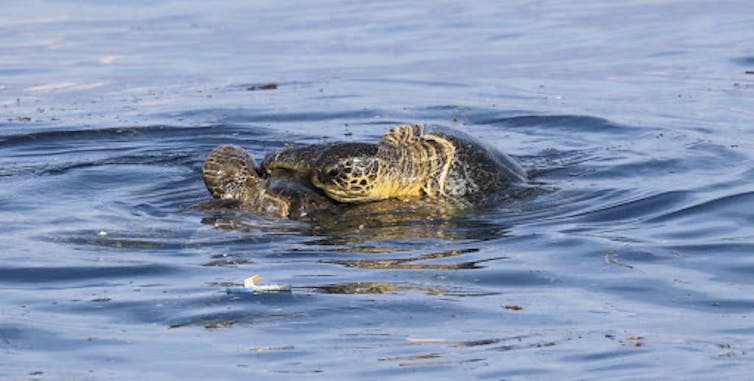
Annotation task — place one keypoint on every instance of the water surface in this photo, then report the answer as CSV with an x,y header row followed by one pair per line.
x,y
634,261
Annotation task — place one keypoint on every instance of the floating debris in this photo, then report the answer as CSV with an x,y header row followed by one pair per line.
x,y
221,324
264,86
611,258
250,287
179,324
513,307
635,340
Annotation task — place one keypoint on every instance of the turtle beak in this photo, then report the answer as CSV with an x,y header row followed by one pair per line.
x,y
316,178
267,167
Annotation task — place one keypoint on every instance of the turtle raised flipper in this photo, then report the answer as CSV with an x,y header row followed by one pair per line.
x,y
404,134
230,174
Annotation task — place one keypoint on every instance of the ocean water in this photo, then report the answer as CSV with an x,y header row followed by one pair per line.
x,y
635,260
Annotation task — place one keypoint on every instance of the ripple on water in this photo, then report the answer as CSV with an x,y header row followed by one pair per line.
x,y
643,207
632,259
728,208
440,290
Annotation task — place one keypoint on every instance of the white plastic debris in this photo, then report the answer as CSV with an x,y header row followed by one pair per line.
x,y
251,283
250,286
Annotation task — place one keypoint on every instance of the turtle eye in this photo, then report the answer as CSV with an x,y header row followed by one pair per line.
x,y
332,171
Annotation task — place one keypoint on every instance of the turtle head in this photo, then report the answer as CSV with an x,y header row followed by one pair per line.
x,y
348,172
230,174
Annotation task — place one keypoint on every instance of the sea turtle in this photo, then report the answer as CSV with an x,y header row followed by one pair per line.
x,y
410,162
230,174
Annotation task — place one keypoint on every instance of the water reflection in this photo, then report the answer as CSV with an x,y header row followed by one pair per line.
x,y
379,227
376,288
406,263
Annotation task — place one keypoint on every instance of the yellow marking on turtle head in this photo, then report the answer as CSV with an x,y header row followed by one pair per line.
x,y
351,179
406,164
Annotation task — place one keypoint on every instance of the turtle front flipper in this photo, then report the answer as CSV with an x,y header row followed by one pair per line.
x,y
229,172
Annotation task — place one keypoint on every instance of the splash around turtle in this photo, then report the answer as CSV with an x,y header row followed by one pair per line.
x,y
411,162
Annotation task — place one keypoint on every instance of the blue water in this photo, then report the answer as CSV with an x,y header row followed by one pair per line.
x,y
634,260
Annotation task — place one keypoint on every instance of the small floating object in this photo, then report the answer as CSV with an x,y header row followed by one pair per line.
x,y
250,286
263,86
